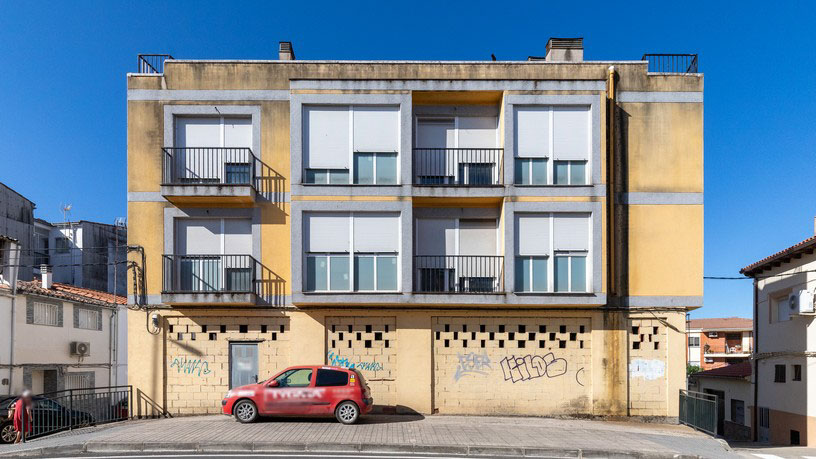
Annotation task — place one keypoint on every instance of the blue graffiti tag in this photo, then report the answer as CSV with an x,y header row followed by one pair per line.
x,y
472,364
338,361
191,366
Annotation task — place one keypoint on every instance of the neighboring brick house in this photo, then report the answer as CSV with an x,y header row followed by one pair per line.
x,y
714,343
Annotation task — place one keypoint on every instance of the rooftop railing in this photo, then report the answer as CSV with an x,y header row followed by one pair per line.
x,y
152,63
671,63
209,166
458,167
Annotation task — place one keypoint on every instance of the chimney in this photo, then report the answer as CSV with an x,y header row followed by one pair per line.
x,y
565,50
47,276
285,51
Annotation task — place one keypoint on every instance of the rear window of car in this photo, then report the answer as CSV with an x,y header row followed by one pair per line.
x,y
331,378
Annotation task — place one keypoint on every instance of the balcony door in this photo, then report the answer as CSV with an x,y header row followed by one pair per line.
x,y
214,254
213,150
457,151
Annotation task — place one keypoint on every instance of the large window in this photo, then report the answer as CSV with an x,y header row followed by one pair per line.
x,y
346,252
552,145
214,254
457,150
552,252
213,149
351,145
46,314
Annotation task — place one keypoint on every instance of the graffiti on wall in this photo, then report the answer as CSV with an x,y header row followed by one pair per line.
x,y
649,369
528,367
339,361
472,364
187,366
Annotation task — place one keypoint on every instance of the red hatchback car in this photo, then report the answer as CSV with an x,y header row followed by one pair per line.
x,y
302,391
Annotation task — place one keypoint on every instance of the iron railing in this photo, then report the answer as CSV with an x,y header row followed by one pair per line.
x,y
152,63
736,349
698,410
465,167
209,274
208,166
671,63
73,408
458,274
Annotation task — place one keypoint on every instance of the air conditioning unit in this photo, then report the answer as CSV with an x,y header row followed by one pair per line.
x,y
712,334
80,348
801,302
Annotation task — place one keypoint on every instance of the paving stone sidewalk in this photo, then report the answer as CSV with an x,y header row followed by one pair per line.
x,y
454,435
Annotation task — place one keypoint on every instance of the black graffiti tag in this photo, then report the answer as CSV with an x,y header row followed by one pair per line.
x,y
528,367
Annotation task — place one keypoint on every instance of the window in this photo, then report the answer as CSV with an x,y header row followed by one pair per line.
x,y
552,243
88,319
333,241
797,373
457,150
299,377
694,341
46,314
351,144
779,373
79,380
63,244
213,150
764,417
782,309
329,378
213,254
738,411
552,145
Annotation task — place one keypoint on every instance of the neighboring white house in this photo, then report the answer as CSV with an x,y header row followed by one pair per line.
x,y
785,345
55,336
731,384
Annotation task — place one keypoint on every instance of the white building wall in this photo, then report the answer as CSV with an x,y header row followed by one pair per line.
x,y
739,389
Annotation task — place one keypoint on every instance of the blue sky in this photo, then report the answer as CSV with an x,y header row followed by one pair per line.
x,y
63,103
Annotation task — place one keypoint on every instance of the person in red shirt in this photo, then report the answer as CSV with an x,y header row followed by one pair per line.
x,y
20,407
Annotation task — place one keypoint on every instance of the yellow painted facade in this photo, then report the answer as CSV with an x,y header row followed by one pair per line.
x,y
545,354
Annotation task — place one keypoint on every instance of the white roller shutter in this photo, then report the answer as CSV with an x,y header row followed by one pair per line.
x,y
533,235
198,236
436,236
477,237
326,137
376,129
571,231
198,132
238,132
571,133
436,133
327,232
477,132
376,232
532,132
238,236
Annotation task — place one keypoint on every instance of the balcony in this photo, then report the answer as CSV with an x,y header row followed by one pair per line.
x,y
458,167
726,351
209,175
208,279
476,274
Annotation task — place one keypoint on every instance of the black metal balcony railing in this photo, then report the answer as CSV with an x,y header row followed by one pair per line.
x,y
208,166
152,63
458,274
671,63
209,274
465,167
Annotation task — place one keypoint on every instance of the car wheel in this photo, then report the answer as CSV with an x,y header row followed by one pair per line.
x,y
245,411
7,433
347,412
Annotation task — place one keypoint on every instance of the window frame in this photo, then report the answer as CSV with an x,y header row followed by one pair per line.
x,y
692,343
56,314
95,326
797,372
780,373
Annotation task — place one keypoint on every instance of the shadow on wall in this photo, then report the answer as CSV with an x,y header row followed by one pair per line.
x,y
270,287
147,408
270,185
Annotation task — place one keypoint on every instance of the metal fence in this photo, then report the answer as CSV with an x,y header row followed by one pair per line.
x,y
458,166
208,166
73,408
458,274
152,63
209,274
671,63
699,410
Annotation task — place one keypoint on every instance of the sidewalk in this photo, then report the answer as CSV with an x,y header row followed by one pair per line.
x,y
453,435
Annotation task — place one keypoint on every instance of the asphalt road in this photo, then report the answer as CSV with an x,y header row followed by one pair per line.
x,y
282,455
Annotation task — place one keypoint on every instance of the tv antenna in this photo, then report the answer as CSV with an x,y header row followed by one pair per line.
x,y
66,212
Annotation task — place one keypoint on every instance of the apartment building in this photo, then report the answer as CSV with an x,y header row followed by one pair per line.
x,y
717,342
784,345
504,237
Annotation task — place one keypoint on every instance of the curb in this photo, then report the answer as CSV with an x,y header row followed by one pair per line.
x,y
264,447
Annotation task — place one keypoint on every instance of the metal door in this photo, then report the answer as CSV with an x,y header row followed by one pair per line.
x,y
243,364
764,430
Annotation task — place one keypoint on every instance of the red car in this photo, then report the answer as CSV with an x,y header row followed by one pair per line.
x,y
296,391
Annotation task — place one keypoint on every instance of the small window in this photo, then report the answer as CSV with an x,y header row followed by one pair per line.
x,y
797,373
569,173
87,319
63,244
694,341
779,373
738,411
327,176
46,314
328,378
531,171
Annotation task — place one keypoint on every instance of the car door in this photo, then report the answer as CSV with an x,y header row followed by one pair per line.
x,y
330,388
290,393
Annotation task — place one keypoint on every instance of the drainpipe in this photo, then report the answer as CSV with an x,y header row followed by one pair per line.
x,y
610,186
755,414
14,269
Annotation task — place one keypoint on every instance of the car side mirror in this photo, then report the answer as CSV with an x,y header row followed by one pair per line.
x,y
274,383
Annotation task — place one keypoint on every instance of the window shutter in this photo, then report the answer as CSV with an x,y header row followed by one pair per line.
x,y
533,235
238,236
477,132
436,236
198,236
376,129
238,132
326,137
571,133
435,133
99,319
198,132
571,232
376,233
327,232
477,237
532,132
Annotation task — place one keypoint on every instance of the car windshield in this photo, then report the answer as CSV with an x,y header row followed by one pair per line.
x,y
299,377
